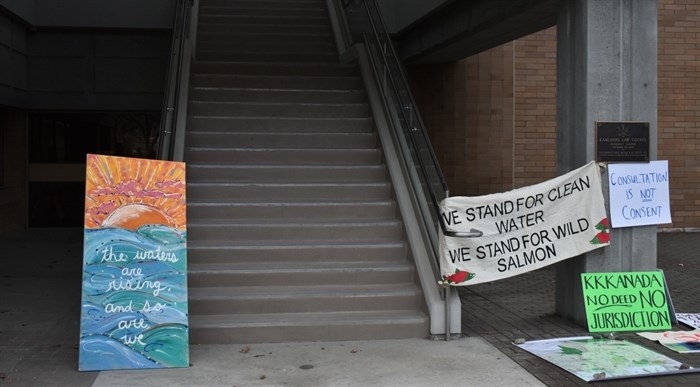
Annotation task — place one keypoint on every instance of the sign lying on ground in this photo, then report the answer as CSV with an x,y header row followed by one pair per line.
x,y
639,194
523,229
603,359
134,302
690,319
679,341
632,301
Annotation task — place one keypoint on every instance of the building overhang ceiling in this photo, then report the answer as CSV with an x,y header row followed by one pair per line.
x,y
463,28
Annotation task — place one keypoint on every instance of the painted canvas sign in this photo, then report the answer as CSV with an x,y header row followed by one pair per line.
x,y
134,300
679,341
639,194
603,359
629,301
523,229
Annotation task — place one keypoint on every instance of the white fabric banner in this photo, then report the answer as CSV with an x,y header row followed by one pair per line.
x,y
523,229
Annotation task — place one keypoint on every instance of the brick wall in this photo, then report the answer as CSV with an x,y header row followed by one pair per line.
x,y
492,117
679,106
467,107
535,107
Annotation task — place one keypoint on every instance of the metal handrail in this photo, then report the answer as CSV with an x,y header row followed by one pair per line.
x,y
412,127
413,120
168,122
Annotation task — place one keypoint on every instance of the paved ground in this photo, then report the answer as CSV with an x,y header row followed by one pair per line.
x,y
409,363
39,332
523,307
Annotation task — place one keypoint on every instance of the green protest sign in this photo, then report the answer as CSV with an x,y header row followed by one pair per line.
x,y
634,301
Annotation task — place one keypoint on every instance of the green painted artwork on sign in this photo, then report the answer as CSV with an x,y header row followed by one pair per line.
x,y
602,359
631,301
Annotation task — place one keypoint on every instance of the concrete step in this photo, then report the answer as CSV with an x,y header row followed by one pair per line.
x,y
273,20
250,27
319,326
297,82
288,211
233,94
277,109
282,140
279,69
222,251
272,46
277,56
267,37
262,10
302,299
286,173
280,124
262,230
266,156
306,4
296,274
294,191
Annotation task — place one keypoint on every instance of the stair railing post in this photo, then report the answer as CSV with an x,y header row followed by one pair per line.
x,y
448,312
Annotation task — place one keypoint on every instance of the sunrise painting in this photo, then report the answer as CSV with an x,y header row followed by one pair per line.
x,y
134,301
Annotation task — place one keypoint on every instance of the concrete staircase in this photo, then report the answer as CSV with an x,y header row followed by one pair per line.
x,y
294,232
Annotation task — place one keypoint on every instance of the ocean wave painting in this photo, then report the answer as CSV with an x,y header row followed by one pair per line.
x,y
134,305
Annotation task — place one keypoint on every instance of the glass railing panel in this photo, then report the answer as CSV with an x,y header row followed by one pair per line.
x,y
367,26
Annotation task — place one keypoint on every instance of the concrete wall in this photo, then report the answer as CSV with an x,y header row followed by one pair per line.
x,y
96,70
151,14
13,188
23,9
102,55
73,55
399,14
82,69
13,62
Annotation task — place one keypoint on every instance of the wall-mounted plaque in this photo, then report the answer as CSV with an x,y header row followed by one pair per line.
x,y
622,141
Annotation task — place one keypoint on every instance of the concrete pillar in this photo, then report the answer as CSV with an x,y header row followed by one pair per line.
x,y
606,71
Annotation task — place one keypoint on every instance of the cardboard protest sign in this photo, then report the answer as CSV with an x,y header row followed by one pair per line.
x,y
134,302
631,301
523,229
690,319
603,359
679,341
639,194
